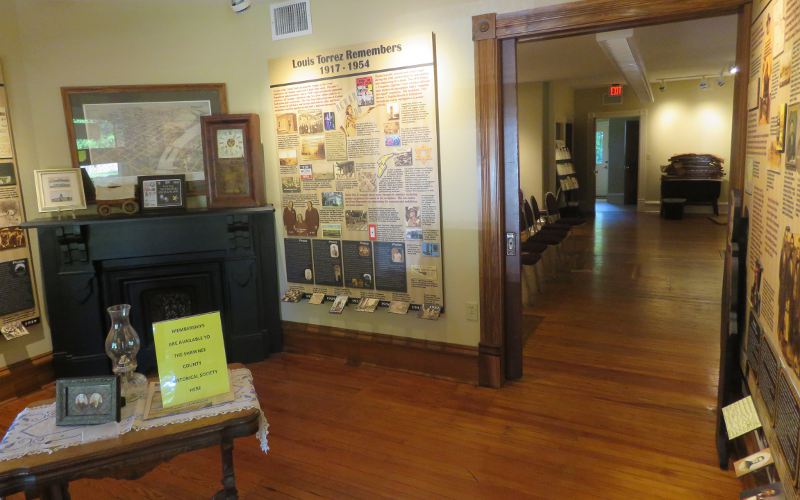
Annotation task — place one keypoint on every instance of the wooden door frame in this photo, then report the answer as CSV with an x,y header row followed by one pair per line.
x,y
499,350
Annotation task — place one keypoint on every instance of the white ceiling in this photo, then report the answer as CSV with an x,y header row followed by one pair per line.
x,y
675,50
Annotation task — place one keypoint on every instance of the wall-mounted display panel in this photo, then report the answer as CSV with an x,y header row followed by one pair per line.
x,y
357,142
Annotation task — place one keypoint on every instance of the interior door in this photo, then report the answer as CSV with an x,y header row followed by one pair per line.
x,y
631,162
601,159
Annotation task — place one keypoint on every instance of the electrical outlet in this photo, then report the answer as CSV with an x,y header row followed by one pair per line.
x,y
472,311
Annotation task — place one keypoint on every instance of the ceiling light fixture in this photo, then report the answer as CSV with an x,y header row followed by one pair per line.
x,y
620,47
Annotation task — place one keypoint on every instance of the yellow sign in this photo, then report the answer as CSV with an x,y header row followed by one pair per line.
x,y
190,353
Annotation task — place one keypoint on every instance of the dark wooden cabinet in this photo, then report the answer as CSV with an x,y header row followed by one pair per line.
x,y
165,266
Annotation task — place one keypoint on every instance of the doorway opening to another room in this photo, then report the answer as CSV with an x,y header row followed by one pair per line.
x,y
617,154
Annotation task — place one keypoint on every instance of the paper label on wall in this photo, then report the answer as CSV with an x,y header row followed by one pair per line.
x,y
18,299
190,354
357,146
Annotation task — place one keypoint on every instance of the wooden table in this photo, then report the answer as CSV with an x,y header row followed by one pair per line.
x,y
129,456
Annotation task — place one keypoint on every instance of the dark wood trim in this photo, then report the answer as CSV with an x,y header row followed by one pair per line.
x,y
593,16
739,126
437,359
24,377
575,18
513,283
492,216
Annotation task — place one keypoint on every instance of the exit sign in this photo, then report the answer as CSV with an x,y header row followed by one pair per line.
x,y
615,90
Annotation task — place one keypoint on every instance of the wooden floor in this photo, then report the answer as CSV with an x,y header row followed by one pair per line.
x,y
617,399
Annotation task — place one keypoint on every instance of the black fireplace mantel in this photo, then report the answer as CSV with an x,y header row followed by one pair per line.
x,y
164,265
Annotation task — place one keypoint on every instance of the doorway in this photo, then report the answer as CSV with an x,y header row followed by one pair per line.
x,y
496,37
617,152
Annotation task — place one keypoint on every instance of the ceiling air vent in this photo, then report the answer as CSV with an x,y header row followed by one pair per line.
x,y
290,19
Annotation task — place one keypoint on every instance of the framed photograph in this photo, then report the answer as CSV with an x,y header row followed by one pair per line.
x,y
234,160
59,189
88,400
162,193
120,132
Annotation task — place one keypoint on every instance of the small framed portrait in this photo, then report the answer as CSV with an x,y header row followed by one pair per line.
x,y
88,400
59,189
162,192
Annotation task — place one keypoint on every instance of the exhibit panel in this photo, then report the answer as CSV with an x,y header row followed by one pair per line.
x,y
771,349
18,298
357,145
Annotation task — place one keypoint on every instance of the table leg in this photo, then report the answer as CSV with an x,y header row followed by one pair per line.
x,y
53,491
228,491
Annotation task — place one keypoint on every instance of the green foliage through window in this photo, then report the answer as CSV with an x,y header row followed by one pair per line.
x,y
598,147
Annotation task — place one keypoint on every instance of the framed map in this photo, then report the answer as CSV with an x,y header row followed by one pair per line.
x,y
121,132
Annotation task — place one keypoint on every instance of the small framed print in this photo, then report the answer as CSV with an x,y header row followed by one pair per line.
x,y
88,400
59,190
162,193
234,160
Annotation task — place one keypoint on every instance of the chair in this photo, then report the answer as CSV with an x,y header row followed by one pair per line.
x,y
554,215
530,260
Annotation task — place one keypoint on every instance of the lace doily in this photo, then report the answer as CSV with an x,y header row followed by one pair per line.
x,y
34,430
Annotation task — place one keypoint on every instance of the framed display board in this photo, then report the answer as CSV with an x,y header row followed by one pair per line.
x,y
119,132
357,142
18,299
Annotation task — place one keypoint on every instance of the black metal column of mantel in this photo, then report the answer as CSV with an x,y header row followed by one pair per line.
x,y
165,266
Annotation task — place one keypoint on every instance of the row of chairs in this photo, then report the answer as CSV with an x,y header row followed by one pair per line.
x,y
546,232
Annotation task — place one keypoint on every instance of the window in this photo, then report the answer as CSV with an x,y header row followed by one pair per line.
x,y
598,147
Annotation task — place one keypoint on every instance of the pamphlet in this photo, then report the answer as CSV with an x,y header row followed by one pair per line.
x,y
339,304
367,305
430,311
293,295
772,491
317,298
741,417
753,462
398,307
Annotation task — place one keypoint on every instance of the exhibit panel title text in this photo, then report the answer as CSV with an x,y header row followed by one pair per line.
x,y
350,59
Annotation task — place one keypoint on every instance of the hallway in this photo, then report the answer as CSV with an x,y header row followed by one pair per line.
x,y
617,399
627,352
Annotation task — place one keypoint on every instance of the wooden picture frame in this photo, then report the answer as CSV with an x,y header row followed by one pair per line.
x,y
168,140
161,193
59,189
88,400
234,160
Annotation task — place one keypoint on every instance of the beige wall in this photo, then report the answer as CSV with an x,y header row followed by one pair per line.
x,y
684,119
531,133
100,42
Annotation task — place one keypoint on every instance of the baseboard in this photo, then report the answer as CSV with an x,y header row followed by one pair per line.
x,y
26,376
655,206
437,359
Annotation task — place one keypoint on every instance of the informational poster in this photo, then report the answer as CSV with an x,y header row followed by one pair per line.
x,y
357,144
18,300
